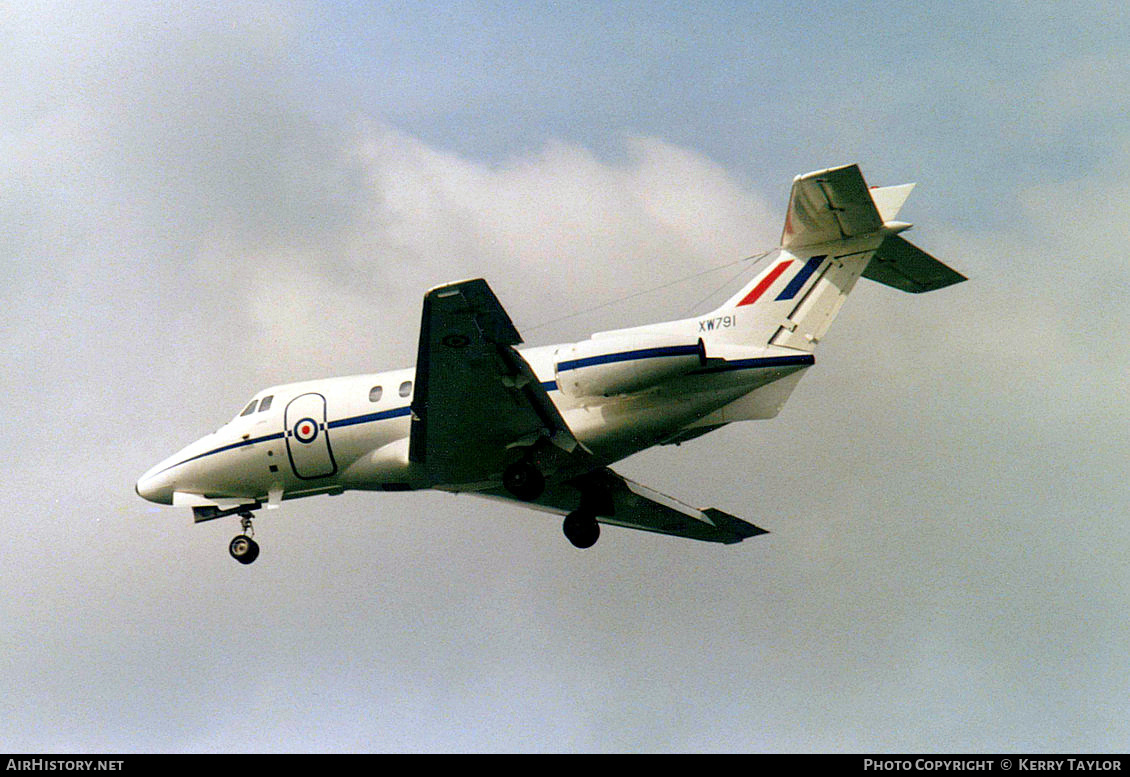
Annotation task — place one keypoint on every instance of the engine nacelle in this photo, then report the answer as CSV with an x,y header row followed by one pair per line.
x,y
607,366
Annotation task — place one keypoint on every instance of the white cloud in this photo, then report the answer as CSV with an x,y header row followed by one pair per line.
x,y
561,210
552,231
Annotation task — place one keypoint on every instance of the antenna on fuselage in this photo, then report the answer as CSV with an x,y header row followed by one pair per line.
x,y
754,257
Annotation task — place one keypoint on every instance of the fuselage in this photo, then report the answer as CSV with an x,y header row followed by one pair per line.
x,y
336,434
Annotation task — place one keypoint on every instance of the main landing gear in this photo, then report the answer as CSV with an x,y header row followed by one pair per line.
x,y
244,549
524,480
581,528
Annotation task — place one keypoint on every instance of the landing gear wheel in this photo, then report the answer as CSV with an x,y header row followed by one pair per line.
x,y
524,480
581,529
244,549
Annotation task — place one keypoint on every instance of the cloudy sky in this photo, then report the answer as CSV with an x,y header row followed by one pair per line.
x,y
200,200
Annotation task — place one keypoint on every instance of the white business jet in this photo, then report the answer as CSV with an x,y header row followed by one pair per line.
x,y
541,426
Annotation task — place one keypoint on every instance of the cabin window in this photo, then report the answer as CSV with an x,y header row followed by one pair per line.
x,y
250,408
375,394
266,403
405,388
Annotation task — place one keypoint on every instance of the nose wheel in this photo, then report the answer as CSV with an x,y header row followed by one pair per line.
x,y
244,549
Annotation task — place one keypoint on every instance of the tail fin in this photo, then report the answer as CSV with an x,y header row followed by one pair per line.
x,y
836,230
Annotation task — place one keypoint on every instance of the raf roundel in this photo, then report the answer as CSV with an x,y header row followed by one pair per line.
x,y
306,430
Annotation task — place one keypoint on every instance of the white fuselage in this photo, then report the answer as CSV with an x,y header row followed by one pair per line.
x,y
327,436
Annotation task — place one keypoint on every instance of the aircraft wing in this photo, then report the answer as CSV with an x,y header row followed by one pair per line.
x,y
618,501
475,397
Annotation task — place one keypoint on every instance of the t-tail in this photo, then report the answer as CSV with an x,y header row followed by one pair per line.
x,y
836,231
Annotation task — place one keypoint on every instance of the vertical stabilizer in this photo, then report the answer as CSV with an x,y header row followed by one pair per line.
x,y
792,301
889,199
831,229
837,230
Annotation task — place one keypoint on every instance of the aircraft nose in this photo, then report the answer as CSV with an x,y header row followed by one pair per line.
x,y
155,486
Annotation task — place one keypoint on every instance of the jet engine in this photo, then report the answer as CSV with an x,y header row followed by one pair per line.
x,y
607,366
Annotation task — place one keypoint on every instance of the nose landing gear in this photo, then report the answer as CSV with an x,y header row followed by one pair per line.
x,y
244,549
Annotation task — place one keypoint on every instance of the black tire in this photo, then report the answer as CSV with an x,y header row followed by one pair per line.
x,y
524,480
244,549
581,529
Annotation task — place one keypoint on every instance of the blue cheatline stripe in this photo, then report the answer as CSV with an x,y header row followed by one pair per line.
x,y
398,412
370,417
233,446
797,283
643,353
240,444
360,419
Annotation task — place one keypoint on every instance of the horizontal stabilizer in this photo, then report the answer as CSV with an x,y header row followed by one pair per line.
x,y
829,205
904,266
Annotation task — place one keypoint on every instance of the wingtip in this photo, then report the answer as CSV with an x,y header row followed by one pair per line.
x,y
741,530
